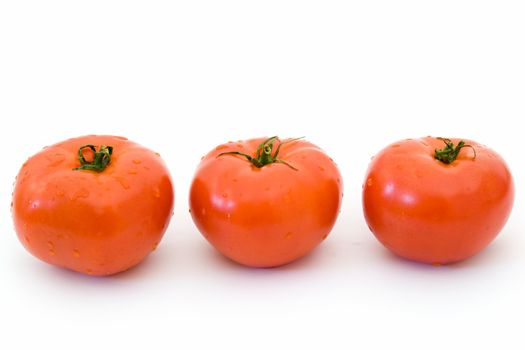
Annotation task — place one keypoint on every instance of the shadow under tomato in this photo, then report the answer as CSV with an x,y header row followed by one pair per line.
x,y
496,253
313,260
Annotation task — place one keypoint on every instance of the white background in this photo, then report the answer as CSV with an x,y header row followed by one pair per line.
x,y
180,77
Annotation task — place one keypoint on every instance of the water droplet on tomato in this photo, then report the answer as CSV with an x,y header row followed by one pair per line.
x,y
156,192
288,235
59,194
137,161
423,143
154,246
51,252
28,241
76,253
50,245
82,193
324,237
235,180
369,182
321,168
123,182
133,172
395,145
221,147
89,271
55,159
203,211
225,195
229,216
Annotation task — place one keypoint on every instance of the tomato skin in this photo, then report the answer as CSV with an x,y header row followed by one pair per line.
x,y
93,223
269,216
424,210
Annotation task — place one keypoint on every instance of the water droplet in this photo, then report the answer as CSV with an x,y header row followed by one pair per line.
x,y
229,216
423,143
221,147
154,246
436,264
203,211
51,252
241,146
28,241
34,205
133,172
123,182
324,237
321,168
145,167
89,271
156,192
55,159
59,194
235,180
50,245
369,182
289,235
76,253
137,161
395,145
225,195
82,193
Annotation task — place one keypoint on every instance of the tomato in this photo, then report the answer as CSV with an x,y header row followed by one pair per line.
x,y
266,202
97,209
434,210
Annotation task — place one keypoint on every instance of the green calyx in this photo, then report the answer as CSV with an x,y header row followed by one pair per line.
x,y
264,154
449,153
101,158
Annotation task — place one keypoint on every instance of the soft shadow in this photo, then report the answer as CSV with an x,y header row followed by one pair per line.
x,y
313,260
497,253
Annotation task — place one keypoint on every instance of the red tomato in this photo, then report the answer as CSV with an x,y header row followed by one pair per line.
x,y
265,206
437,211
98,212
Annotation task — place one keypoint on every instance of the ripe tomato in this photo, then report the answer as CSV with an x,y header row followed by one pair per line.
x,y
95,210
437,211
265,206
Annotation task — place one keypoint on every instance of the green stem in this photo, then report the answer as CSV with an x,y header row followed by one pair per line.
x,y
101,158
264,154
449,153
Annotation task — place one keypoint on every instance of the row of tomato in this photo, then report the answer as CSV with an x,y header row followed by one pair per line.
x,y
100,204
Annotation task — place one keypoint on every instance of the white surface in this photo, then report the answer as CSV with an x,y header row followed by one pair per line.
x,y
182,77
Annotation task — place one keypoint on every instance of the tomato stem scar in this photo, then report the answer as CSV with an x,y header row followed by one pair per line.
x,y
264,155
101,158
449,153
